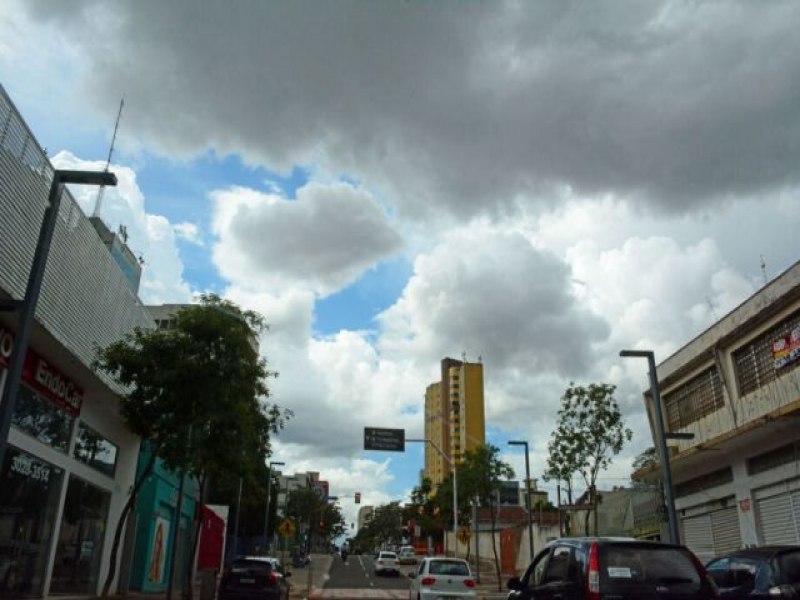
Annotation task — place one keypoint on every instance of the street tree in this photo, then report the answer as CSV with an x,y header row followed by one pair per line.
x,y
323,521
482,472
383,526
589,433
196,393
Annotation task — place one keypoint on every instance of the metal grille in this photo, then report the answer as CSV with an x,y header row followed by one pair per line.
x,y
774,458
705,482
753,362
698,397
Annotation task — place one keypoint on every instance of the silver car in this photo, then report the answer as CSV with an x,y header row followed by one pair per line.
x,y
441,577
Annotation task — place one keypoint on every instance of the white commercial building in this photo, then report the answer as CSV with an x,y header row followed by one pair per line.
x,y
70,462
736,387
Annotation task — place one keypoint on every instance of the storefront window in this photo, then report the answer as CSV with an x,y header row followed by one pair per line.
x,y
29,492
42,419
96,451
80,541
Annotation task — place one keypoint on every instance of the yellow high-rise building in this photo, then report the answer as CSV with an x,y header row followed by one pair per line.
x,y
454,416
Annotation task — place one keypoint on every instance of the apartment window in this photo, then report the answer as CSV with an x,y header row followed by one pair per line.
x,y
757,364
705,482
790,453
695,399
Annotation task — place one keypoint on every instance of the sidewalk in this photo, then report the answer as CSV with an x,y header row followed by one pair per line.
x,y
319,568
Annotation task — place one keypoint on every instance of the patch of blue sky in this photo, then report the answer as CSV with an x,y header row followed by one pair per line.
x,y
404,466
356,307
180,190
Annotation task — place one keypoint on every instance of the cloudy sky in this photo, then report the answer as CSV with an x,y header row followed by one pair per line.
x,y
389,183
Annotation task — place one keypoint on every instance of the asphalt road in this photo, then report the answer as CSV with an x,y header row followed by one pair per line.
x,y
356,579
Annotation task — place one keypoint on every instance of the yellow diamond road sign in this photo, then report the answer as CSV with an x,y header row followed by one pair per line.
x,y
287,528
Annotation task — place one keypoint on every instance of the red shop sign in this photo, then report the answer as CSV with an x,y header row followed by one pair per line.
x,y
43,377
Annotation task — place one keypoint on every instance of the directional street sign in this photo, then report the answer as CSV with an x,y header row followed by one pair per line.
x,y
392,440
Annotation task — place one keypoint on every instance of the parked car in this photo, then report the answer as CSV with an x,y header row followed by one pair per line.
x,y
766,572
407,555
441,578
619,568
386,562
255,578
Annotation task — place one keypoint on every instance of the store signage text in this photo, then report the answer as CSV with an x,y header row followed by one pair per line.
x,y
786,349
42,377
30,467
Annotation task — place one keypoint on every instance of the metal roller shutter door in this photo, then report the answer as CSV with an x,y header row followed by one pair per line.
x,y
778,519
725,527
697,535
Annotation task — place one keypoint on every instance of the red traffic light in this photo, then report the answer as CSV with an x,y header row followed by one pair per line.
x,y
358,497
322,524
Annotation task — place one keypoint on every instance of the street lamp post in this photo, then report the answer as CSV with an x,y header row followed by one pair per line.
x,y
27,307
527,492
662,439
455,486
272,463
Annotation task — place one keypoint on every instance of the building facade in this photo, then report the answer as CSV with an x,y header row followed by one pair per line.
x,y
736,388
454,417
70,460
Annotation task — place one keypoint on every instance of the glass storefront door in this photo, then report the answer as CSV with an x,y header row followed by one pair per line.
x,y
80,541
29,493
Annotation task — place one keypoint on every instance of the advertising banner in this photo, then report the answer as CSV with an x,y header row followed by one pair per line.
x,y
786,349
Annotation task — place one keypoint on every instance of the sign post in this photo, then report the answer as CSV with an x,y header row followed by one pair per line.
x,y
389,440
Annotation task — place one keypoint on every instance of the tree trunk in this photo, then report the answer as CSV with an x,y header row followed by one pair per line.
x,y
112,561
494,547
188,590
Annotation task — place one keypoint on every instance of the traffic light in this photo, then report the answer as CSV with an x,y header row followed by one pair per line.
x,y
358,497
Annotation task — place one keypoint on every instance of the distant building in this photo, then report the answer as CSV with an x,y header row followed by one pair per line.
x,y
454,417
736,388
364,513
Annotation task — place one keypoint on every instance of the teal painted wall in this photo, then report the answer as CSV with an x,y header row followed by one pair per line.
x,y
156,508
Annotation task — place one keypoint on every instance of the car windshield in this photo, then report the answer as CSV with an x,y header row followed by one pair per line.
x,y
448,567
388,555
622,565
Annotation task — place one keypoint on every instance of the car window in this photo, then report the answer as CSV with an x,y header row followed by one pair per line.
x,y
448,567
624,565
421,568
242,565
533,576
558,568
788,570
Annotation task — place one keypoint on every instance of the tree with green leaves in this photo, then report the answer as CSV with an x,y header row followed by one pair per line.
x,y
482,472
589,433
196,393
423,511
383,526
324,521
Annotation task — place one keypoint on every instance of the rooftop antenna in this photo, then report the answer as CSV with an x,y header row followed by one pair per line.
x,y
102,190
764,269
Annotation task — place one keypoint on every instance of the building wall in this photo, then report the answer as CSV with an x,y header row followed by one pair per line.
x,y
86,302
474,429
726,389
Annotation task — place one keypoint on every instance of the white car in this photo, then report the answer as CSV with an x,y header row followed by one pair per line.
x,y
386,562
440,577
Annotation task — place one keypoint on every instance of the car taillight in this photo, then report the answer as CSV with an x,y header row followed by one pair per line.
x,y
273,578
380,562
593,579
701,570
428,580
469,583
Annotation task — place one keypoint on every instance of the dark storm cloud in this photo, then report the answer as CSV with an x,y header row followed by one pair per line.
x,y
465,106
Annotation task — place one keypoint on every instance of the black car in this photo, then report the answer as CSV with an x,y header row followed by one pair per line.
x,y
254,578
766,572
619,568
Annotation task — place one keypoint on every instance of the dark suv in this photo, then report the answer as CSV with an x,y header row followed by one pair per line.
x,y
605,568
766,572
